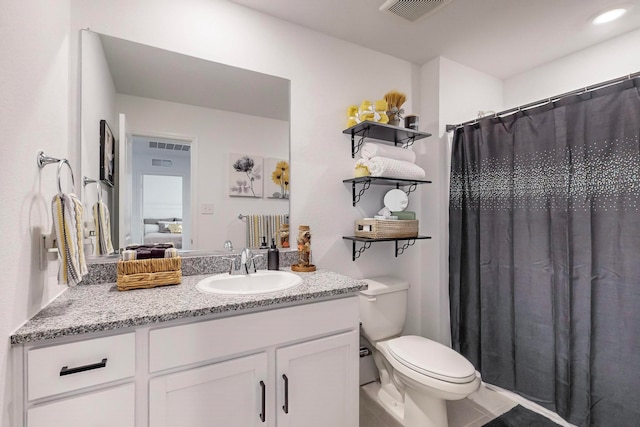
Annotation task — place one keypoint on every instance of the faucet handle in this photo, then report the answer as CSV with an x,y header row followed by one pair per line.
x,y
232,262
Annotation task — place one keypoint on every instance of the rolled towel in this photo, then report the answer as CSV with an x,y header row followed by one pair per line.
x,y
390,168
372,149
171,253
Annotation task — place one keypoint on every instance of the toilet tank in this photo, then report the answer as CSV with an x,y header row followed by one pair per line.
x,y
383,307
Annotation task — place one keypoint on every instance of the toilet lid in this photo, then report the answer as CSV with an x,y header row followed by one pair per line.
x,y
432,359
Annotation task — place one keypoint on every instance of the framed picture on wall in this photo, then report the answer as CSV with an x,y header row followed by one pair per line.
x,y
245,175
107,154
277,178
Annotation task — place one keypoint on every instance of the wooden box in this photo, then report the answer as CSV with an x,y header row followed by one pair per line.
x,y
386,229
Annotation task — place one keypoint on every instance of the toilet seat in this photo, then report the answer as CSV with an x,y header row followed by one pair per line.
x,y
432,359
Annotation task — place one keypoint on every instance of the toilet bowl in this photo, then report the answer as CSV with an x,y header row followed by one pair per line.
x,y
417,375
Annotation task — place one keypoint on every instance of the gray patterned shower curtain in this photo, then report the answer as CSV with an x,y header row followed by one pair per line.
x,y
544,255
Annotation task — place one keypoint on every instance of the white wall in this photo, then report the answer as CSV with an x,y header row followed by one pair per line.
x,y
217,133
451,93
605,61
34,101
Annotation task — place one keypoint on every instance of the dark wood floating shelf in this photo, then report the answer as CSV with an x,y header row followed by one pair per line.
x,y
367,243
393,134
367,181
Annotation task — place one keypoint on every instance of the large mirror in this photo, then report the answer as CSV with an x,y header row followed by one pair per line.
x,y
202,148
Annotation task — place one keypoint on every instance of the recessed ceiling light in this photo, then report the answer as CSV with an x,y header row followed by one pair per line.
x,y
609,15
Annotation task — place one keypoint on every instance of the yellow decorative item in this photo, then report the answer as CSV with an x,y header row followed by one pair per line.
x,y
376,112
381,107
361,169
352,116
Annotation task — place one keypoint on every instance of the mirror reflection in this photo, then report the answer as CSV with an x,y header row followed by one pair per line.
x,y
199,145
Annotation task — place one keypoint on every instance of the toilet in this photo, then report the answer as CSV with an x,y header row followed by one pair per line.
x,y
417,375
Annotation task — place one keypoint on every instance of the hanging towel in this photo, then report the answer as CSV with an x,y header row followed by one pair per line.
x,y
390,168
103,229
67,212
263,225
372,149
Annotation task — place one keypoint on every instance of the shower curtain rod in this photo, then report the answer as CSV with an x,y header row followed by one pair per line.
x,y
546,100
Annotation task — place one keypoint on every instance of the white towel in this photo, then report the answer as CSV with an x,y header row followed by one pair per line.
x,y
103,229
371,149
67,212
390,168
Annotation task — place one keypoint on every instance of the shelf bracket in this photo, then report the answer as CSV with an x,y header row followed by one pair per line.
x,y
411,188
356,197
400,250
406,143
355,147
358,252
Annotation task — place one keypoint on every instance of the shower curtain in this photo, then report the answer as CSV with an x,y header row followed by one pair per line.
x,y
545,254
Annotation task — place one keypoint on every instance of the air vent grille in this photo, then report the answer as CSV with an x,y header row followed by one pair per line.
x,y
169,146
412,10
162,163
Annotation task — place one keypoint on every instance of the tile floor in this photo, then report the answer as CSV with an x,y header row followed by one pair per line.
x,y
478,409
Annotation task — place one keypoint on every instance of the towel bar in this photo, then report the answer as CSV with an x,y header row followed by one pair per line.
x,y
43,160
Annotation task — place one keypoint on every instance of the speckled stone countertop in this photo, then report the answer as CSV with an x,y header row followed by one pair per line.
x,y
101,307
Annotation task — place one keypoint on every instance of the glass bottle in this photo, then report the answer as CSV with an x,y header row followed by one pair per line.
x,y
304,246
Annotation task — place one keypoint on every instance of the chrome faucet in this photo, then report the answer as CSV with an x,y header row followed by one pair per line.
x,y
247,262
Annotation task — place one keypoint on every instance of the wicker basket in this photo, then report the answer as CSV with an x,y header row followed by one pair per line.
x,y
149,273
386,229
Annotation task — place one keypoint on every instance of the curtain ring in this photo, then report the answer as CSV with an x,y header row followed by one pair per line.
x,y
73,181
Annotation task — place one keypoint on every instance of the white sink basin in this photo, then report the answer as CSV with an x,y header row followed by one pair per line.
x,y
262,282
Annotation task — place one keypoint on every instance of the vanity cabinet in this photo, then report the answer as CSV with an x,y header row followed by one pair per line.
x,y
231,393
387,134
289,366
315,382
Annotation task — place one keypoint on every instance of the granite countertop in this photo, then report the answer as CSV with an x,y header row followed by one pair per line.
x,y
101,307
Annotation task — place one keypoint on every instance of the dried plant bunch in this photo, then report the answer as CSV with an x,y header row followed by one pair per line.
x,y
395,98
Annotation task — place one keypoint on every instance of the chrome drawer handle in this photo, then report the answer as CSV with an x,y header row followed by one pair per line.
x,y
68,371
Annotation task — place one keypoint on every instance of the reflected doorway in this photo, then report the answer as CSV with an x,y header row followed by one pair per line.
x,y
161,174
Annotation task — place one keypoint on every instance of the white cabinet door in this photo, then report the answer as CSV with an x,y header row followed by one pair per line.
x,y
113,407
229,394
318,382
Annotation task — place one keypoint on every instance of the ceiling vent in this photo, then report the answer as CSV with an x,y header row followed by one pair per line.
x,y
169,146
412,10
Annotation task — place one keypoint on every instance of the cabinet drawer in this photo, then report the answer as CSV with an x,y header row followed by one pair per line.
x,y
109,408
66,367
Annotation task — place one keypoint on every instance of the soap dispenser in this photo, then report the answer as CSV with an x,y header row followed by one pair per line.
x,y
273,256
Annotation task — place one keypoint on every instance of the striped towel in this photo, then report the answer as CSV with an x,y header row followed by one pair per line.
x,y
264,225
103,228
67,215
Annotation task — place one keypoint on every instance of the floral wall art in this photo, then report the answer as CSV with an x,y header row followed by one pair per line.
x,y
277,178
245,175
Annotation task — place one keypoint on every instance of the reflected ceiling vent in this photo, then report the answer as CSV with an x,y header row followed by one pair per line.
x,y
162,163
169,146
412,10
